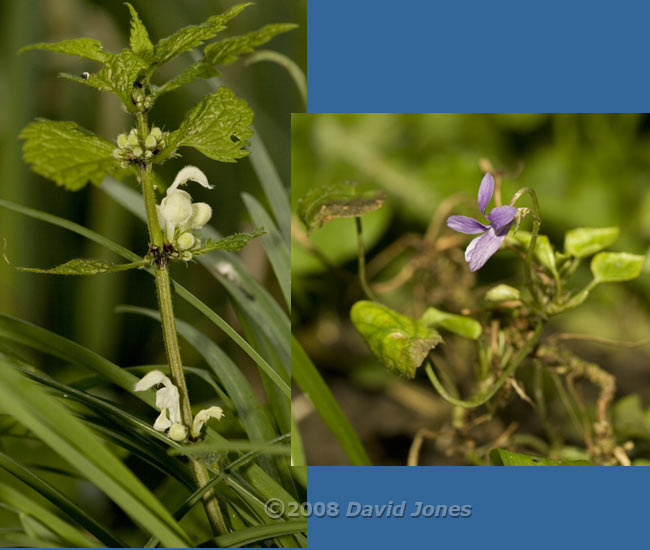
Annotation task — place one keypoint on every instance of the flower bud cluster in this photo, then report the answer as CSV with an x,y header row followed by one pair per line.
x,y
130,150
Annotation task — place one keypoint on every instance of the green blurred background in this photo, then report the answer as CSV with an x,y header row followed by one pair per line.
x,y
587,170
82,309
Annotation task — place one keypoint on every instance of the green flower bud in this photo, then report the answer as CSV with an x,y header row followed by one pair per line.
x,y
178,432
185,241
133,139
137,151
501,293
117,153
148,154
156,133
122,141
150,142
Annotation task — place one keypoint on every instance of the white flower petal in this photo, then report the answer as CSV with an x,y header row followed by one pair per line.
x,y
162,422
152,379
201,214
189,173
203,416
177,207
168,398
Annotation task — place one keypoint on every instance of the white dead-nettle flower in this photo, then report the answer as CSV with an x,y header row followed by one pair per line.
x,y
203,416
167,402
178,216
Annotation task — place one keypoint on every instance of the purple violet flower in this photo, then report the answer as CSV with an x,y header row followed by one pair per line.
x,y
501,218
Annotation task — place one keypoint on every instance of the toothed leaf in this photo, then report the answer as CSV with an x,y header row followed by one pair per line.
x,y
228,50
191,73
218,126
190,37
84,267
81,47
139,39
230,243
68,154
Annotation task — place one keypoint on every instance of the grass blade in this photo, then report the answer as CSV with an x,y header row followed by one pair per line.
x,y
277,249
77,444
61,501
312,384
255,534
42,515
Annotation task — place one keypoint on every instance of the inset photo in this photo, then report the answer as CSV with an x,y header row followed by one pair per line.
x,y
471,289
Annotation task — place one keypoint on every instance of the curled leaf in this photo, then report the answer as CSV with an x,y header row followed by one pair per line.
x,y
585,241
608,267
458,324
399,342
343,200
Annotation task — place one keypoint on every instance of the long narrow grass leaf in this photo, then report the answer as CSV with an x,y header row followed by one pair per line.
x,y
77,444
312,384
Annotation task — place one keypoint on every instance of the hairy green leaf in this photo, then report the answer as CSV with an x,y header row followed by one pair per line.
x,y
608,267
459,324
342,200
68,154
218,126
585,241
229,49
121,75
139,39
231,243
399,342
83,266
192,36
190,74
502,457
81,47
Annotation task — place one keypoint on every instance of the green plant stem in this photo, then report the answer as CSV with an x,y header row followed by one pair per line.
x,y
170,338
362,262
528,262
485,395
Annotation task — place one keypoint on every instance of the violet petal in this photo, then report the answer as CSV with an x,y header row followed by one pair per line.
x,y
466,225
485,191
501,216
482,248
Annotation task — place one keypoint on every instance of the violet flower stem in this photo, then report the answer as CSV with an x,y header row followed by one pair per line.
x,y
362,262
528,262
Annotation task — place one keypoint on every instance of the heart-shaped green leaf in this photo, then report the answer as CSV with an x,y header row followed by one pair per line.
x,y
585,241
459,324
343,200
399,342
502,457
609,267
